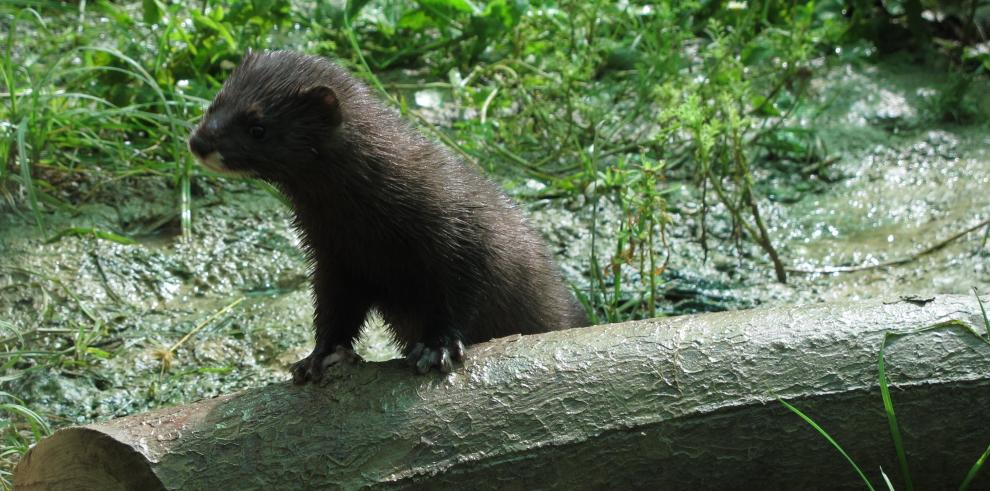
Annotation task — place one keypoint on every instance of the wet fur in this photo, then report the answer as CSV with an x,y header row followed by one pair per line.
x,y
390,219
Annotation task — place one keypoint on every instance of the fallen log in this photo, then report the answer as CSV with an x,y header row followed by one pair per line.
x,y
674,403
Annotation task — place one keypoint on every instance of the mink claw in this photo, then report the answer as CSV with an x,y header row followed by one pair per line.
x,y
458,352
414,354
445,365
313,366
427,360
424,358
303,371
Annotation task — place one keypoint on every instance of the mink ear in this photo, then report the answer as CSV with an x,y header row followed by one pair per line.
x,y
326,100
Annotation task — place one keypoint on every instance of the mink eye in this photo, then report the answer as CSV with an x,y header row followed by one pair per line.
x,y
257,132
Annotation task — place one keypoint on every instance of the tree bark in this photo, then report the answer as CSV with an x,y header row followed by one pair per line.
x,y
670,403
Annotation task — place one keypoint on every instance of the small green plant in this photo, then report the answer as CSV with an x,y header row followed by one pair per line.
x,y
636,190
680,83
441,34
954,101
20,427
119,107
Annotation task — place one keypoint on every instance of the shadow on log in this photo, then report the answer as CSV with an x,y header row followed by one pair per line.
x,y
676,403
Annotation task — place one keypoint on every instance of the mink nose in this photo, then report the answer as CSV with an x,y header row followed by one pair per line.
x,y
199,145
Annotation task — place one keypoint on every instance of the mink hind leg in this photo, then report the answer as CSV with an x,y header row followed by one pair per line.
x,y
337,323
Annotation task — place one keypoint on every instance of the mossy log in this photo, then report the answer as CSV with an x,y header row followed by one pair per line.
x,y
674,403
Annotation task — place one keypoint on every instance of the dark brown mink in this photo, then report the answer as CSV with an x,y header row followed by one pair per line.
x,y
390,219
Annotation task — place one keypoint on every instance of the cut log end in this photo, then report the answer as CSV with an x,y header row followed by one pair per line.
x,y
81,458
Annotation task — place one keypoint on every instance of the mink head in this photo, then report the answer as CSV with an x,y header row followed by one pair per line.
x,y
275,118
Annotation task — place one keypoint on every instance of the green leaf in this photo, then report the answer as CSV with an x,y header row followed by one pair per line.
x,y
98,353
27,182
152,12
973,471
39,426
116,13
829,438
416,20
895,432
764,107
986,320
354,7
204,21
508,14
886,480
460,5
90,231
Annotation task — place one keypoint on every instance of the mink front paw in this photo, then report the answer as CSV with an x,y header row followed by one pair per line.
x,y
442,355
313,366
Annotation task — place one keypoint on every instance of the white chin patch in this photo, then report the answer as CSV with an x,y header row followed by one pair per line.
x,y
214,162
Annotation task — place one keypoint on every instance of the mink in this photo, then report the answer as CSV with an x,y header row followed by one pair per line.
x,y
389,219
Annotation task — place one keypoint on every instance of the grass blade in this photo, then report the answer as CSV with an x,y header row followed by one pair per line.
x,y
973,471
182,163
38,424
986,321
39,427
185,197
28,184
895,432
828,437
94,232
165,355
886,480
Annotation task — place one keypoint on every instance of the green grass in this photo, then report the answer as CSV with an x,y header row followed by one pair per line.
x,y
888,405
124,95
983,310
832,441
681,91
24,355
20,426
